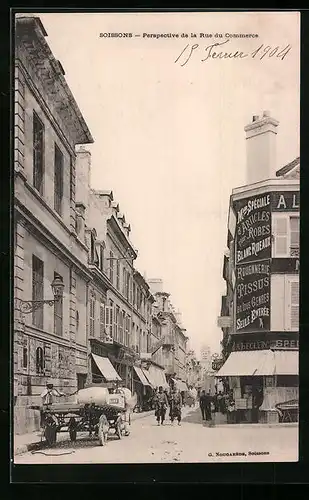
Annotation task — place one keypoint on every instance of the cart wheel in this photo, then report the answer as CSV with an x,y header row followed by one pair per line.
x,y
51,434
103,430
73,433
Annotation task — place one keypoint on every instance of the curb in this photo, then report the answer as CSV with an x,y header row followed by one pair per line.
x,y
19,450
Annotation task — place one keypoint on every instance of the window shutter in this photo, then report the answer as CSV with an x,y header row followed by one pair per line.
x,y
294,236
294,301
281,236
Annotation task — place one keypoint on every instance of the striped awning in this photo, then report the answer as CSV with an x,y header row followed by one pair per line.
x,y
156,377
139,372
263,363
106,368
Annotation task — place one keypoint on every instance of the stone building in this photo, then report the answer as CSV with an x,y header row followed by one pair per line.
x,y
49,340
193,370
260,311
173,337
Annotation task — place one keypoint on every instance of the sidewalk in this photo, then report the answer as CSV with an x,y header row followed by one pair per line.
x,y
34,440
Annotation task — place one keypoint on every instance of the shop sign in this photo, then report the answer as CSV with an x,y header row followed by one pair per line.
x,y
287,201
253,296
255,345
288,265
224,321
253,228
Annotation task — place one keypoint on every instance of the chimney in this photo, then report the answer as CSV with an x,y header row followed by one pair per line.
x,y
82,178
261,148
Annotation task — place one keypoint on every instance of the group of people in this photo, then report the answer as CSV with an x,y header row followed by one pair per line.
x,y
163,400
219,402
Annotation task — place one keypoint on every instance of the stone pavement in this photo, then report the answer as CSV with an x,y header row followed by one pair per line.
x,y
190,442
33,440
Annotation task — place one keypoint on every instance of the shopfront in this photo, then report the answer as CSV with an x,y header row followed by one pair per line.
x,y
121,361
261,374
142,387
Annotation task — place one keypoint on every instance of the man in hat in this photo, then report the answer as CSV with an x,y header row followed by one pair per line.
x,y
49,393
161,404
48,398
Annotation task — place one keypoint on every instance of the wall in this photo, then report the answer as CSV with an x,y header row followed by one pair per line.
x,y
50,139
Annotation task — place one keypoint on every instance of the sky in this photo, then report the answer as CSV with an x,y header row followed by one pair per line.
x,y
169,137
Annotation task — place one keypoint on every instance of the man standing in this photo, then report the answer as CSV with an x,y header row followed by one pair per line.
x,y
203,404
48,398
161,403
175,406
49,393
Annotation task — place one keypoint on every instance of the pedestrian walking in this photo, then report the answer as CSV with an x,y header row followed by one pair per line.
x,y
161,404
175,406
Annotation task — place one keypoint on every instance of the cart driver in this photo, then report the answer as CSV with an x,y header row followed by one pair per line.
x,y
49,393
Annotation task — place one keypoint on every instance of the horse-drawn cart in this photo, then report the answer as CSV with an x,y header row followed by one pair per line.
x,y
98,420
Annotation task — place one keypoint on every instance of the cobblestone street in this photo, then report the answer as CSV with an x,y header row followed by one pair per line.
x,y
190,442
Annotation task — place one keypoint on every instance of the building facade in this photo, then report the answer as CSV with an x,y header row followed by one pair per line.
x,y
193,370
48,345
260,312
173,336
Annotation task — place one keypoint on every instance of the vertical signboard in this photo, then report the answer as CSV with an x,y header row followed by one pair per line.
x,y
253,296
253,228
252,263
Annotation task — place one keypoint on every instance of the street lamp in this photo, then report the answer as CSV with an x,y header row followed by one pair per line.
x,y
28,306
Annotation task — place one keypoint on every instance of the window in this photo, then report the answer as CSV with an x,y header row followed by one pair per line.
x,y
292,303
121,326
294,236
107,319
92,315
102,319
128,285
124,281
58,180
77,320
38,153
81,381
101,257
118,274
286,236
127,330
111,266
111,315
39,360
72,179
38,290
134,294
117,324
58,313
25,357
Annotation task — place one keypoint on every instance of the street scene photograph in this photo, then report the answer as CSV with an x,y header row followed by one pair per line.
x,y
156,225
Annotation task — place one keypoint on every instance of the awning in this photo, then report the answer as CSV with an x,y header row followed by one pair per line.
x,y
286,362
181,385
263,363
139,372
156,377
106,368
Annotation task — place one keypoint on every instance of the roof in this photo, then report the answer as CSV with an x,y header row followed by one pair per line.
x,y
288,168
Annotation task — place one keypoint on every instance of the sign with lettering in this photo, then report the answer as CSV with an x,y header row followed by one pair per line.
x,y
264,340
255,345
253,228
253,296
287,201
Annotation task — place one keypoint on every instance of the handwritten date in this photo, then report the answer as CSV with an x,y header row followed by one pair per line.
x,y
214,51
